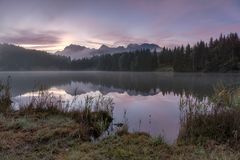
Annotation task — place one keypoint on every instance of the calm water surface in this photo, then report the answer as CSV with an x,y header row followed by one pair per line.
x,y
152,98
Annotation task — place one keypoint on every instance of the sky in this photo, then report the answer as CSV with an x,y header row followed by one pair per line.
x,y
53,24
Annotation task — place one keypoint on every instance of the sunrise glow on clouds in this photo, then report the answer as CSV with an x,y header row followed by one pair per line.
x,y
52,24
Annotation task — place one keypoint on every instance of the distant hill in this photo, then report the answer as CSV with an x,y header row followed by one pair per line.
x,y
79,52
18,58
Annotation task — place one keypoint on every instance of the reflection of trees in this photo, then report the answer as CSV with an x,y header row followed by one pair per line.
x,y
149,83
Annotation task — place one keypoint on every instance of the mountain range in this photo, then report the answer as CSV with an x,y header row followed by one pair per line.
x,y
78,52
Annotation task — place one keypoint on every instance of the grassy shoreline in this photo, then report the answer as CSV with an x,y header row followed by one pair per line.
x,y
142,147
45,130
58,137
47,134
48,137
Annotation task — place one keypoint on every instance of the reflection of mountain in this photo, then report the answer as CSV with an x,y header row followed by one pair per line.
x,y
133,83
78,88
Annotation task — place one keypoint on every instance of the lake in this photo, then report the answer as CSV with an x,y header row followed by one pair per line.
x,y
148,101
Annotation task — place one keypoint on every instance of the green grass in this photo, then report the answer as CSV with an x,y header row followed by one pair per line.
x,y
143,147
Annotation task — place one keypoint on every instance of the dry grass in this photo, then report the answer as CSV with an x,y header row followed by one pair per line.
x,y
33,137
217,119
40,135
45,129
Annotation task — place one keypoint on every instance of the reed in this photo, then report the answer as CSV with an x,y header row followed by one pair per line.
x,y
216,118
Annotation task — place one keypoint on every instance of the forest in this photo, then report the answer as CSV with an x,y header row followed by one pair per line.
x,y
217,55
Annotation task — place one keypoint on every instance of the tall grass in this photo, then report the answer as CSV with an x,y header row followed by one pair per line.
x,y
5,97
216,118
93,116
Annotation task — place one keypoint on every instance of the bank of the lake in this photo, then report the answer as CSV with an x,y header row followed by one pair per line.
x,y
40,136
140,94
45,130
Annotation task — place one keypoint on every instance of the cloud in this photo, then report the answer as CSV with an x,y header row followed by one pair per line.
x,y
111,22
98,43
30,37
119,38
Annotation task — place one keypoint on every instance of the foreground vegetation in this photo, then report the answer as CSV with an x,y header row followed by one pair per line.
x,y
37,136
44,129
216,119
142,147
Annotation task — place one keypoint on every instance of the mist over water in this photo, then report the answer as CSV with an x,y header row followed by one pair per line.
x,y
150,100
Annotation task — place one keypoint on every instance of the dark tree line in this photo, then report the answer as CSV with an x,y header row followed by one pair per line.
x,y
142,60
17,58
219,55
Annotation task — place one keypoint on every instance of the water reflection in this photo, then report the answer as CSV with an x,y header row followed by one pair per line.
x,y
150,99
158,114
134,83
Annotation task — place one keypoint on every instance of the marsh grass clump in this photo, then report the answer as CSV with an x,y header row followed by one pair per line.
x,y
47,127
217,118
94,115
5,97
226,97
122,130
43,102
